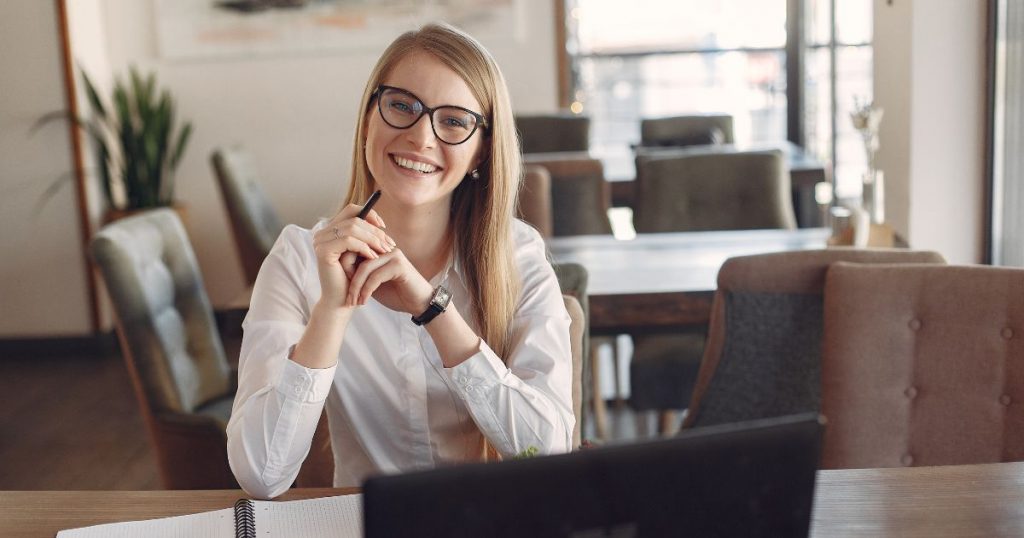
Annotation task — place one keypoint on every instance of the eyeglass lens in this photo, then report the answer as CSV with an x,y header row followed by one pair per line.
x,y
451,124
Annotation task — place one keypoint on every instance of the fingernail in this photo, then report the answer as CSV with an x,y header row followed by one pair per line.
x,y
392,241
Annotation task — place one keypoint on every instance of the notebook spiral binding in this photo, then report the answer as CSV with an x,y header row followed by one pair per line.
x,y
245,519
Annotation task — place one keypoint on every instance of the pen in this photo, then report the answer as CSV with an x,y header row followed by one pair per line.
x,y
366,211
369,204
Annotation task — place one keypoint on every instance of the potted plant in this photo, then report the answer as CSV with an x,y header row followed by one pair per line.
x,y
136,143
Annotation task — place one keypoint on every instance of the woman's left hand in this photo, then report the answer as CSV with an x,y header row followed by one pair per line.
x,y
392,280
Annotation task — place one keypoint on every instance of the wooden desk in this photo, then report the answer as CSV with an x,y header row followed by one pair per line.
x,y
934,502
660,282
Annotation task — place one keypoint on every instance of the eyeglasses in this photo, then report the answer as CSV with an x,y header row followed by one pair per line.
x,y
401,109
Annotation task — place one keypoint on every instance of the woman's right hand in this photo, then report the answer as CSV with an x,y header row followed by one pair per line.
x,y
338,246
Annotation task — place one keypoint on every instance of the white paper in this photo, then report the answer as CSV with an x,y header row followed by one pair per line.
x,y
339,517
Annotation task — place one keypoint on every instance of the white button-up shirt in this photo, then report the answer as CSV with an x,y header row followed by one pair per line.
x,y
391,404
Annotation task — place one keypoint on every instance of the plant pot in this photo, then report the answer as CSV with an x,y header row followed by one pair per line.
x,y
117,214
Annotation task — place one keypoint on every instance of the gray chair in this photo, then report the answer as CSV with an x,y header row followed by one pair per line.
x,y
764,349
572,280
712,190
546,133
698,191
691,130
254,224
171,346
580,196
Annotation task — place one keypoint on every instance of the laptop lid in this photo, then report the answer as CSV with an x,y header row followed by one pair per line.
x,y
746,479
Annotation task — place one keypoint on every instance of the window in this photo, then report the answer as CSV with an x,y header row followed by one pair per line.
x,y
668,57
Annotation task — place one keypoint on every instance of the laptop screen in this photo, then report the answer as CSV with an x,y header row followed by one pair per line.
x,y
745,479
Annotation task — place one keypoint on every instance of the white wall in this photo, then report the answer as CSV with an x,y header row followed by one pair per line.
x,y
295,113
42,277
930,78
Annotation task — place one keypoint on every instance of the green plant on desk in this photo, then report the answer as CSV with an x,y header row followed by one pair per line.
x,y
530,452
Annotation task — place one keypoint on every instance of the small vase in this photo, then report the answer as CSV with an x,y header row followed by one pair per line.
x,y
873,196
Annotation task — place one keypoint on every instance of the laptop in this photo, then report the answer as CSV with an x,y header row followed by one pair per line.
x,y
746,479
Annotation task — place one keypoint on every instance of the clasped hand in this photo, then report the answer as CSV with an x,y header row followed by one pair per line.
x,y
356,259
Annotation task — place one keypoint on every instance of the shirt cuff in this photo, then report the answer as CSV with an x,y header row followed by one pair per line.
x,y
476,376
305,385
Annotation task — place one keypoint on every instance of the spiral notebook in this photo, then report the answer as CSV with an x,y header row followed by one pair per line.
x,y
312,518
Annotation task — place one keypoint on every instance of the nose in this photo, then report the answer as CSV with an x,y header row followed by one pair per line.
x,y
421,133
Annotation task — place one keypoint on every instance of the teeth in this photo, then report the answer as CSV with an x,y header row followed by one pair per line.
x,y
415,165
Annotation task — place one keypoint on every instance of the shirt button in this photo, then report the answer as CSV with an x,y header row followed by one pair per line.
x,y
297,390
1007,333
914,324
907,460
911,392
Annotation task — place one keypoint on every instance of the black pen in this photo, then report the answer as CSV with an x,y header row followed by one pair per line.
x,y
366,211
369,204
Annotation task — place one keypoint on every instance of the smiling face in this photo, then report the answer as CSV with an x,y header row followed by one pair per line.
x,y
412,166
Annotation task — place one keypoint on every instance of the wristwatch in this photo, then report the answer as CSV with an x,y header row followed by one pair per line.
x,y
438,303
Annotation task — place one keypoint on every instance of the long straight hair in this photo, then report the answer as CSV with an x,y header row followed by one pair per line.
x,y
482,209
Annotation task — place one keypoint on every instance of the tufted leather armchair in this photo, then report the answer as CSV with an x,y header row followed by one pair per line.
x,y
763,353
545,133
922,365
690,130
171,346
254,224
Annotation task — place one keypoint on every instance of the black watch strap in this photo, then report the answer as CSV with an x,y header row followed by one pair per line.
x,y
438,303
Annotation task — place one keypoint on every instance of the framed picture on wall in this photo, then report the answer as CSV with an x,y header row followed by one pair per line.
x,y
203,29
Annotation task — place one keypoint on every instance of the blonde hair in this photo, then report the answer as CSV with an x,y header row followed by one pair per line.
x,y
482,209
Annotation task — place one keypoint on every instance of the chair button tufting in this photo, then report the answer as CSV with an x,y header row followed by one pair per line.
x,y
907,460
911,392
914,324
1007,333
1005,399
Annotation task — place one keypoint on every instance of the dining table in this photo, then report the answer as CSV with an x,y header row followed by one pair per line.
x,y
661,282
961,501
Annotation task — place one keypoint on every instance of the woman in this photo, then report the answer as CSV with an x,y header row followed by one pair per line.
x,y
354,312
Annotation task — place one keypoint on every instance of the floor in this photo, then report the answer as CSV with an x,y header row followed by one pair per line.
x,y
71,422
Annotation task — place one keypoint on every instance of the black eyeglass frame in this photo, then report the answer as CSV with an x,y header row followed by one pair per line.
x,y
481,121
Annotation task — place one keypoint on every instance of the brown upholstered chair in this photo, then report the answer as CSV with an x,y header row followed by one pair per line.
x,y
580,196
254,224
712,190
535,199
171,346
763,352
698,129
922,365
546,133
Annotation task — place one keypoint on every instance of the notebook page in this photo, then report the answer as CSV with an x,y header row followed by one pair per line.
x,y
334,517
216,524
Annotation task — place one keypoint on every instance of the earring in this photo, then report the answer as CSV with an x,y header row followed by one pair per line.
x,y
475,174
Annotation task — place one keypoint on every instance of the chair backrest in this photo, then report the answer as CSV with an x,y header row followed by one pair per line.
x,y
762,356
163,314
715,190
545,133
572,280
577,330
535,199
580,196
254,223
922,365
689,130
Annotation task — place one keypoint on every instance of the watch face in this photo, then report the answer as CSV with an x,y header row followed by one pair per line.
x,y
442,296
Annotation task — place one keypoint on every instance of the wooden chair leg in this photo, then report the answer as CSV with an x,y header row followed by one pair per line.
x,y
619,401
597,398
667,422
